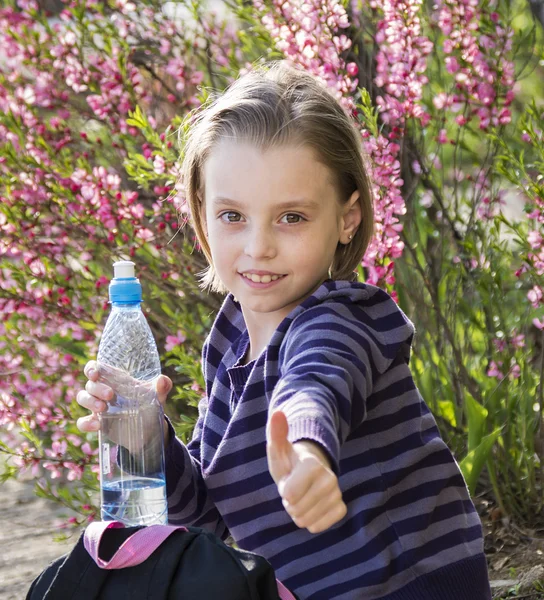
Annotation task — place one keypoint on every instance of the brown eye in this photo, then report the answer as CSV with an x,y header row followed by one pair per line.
x,y
232,217
293,219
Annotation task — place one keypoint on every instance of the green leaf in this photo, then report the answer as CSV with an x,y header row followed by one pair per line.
x,y
88,325
471,466
167,310
476,417
137,118
10,472
446,409
425,385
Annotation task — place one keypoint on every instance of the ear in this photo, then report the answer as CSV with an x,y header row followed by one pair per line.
x,y
351,217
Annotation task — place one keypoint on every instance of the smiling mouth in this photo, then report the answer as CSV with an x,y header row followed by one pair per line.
x,y
261,278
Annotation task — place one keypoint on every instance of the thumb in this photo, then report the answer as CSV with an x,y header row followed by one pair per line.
x,y
164,385
279,449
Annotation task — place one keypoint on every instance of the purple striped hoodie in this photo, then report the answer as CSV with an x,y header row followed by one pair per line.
x,y
338,366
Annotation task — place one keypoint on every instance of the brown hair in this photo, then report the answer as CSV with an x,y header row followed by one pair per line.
x,y
273,105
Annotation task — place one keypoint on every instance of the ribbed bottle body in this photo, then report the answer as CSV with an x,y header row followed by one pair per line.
x,y
131,438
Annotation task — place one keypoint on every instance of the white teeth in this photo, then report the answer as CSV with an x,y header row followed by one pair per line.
x,y
258,279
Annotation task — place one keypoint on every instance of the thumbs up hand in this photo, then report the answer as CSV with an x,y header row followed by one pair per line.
x,y
308,487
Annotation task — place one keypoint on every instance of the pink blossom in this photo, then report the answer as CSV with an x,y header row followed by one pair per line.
x,y
101,281
86,448
494,370
515,372
88,192
452,66
401,61
137,211
75,471
535,239
441,100
535,296
145,234
159,164
58,449
172,341
483,73
165,46
352,69
442,137
518,341
539,323
310,40
54,468
500,344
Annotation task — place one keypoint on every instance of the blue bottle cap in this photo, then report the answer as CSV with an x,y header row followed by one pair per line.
x,y
125,287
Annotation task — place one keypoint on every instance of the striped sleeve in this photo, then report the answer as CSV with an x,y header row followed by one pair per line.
x,y
189,502
329,360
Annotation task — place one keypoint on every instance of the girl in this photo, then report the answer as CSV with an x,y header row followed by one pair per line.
x,y
313,446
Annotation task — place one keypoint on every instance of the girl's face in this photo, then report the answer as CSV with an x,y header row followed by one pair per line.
x,y
273,213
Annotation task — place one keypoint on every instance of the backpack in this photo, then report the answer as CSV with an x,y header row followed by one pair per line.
x,y
158,562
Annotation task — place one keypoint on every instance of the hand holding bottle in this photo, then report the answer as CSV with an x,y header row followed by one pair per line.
x,y
102,389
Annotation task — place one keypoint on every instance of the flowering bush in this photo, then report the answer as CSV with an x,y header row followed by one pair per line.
x,y
91,97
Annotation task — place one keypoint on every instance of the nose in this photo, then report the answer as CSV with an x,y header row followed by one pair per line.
x,y
260,243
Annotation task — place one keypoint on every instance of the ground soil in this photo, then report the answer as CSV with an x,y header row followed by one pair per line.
x,y
27,528
28,525
515,555
517,570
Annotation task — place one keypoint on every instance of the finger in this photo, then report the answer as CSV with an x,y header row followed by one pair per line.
x,y
164,385
300,481
88,423
308,486
90,402
278,448
91,370
99,390
319,507
114,376
277,429
123,384
330,519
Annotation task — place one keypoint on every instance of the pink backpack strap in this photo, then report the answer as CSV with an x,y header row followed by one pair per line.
x,y
134,550
283,592
139,547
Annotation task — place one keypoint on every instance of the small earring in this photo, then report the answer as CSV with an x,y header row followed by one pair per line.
x,y
350,236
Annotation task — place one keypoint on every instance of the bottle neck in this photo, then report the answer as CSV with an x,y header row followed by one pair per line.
x,y
126,305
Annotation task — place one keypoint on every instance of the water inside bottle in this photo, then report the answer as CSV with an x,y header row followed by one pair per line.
x,y
137,501
133,487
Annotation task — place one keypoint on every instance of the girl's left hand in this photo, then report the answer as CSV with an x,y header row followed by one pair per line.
x,y
309,488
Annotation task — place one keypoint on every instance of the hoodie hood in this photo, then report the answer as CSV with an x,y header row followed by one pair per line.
x,y
384,319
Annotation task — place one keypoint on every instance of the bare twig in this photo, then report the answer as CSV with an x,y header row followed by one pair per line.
x,y
141,63
467,379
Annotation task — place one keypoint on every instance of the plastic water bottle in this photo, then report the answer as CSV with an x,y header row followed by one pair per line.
x,y
131,439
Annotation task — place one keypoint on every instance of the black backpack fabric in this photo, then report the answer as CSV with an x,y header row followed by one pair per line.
x,y
189,565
